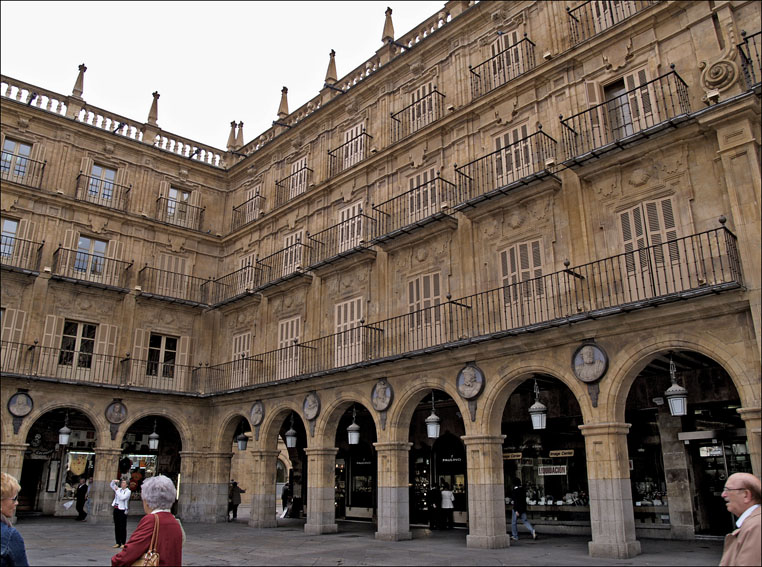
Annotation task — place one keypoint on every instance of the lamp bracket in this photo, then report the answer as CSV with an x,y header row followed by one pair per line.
x,y
114,428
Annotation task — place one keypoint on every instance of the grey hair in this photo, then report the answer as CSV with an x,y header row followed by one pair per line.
x,y
159,492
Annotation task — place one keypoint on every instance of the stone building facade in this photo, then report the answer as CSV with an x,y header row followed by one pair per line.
x,y
515,205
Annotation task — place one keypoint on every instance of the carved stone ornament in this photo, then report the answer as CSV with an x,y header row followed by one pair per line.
x,y
311,406
589,362
257,413
720,75
20,404
116,412
470,381
382,395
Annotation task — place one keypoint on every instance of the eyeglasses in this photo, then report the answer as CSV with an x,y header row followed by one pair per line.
x,y
15,498
726,489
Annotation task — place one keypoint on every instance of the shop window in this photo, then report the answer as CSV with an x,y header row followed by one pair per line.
x,y
162,356
77,344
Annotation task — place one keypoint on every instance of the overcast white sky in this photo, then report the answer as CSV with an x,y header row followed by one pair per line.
x,y
212,62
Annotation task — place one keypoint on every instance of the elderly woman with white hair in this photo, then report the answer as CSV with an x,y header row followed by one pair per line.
x,y
158,495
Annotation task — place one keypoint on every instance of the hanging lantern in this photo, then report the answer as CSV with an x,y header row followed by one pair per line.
x,y
353,431
676,395
64,433
538,411
153,439
291,435
243,441
432,422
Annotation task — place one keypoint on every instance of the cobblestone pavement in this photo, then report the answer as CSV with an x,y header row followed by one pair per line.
x,y
62,541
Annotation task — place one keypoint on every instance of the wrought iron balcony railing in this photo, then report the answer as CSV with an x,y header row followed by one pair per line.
x,y
21,170
595,16
86,367
419,114
749,50
349,153
18,253
102,192
232,286
292,186
637,113
499,69
693,266
171,285
247,212
340,240
283,264
179,213
90,268
517,164
417,207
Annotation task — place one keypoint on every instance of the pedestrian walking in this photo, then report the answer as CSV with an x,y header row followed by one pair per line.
x,y
12,550
88,503
234,499
520,511
742,495
81,496
435,507
448,499
120,504
285,495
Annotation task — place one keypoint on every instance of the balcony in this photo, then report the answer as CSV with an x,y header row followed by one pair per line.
x,y
413,209
499,69
421,113
638,113
21,170
516,165
283,265
90,269
247,212
179,213
292,186
18,254
595,16
171,286
750,59
340,240
84,367
102,192
233,286
349,153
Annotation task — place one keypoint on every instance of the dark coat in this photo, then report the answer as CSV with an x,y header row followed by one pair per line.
x,y
519,499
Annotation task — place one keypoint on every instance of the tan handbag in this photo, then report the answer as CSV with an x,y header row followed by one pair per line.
x,y
151,557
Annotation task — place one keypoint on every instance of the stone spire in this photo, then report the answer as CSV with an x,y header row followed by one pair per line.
x,y
239,137
231,137
330,75
283,108
153,114
80,82
388,34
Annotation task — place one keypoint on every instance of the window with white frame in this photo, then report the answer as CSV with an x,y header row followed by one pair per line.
x,y
91,256
297,181
10,229
514,156
423,197
101,183
424,295
350,228
348,318
288,352
178,202
77,344
353,149
520,265
15,158
162,356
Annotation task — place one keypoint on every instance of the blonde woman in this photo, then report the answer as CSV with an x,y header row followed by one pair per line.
x,y
12,551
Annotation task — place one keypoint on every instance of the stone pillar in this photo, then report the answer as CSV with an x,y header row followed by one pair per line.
x,y
752,417
321,476
263,491
486,492
611,515
12,458
676,474
101,495
393,491
204,482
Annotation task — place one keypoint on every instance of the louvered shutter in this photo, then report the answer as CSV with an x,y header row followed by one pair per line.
x,y
67,253
105,350
12,334
634,238
140,356
114,274
661,228
182,370
86,168
25,249
350,227
597,118
51,343
641,99
292,255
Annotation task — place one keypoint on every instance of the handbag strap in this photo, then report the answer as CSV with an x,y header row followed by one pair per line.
x,y
155,535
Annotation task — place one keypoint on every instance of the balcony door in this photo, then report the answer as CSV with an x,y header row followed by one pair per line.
x,y
513,160
523,286
631,105
350,228
507,58
423,199
100,187
292,253
178,207
354,145
288,351
241,374
422,111
297,181
425,315
606,13
348,317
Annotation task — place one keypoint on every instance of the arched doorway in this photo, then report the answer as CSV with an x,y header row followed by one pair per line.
x,y
241,467
679,464
293,435
550,462
356,469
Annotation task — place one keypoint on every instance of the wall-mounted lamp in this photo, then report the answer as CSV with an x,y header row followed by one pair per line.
x,y
538,411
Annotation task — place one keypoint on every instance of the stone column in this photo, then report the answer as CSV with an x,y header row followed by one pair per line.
x,y
204,480
321,476
611,515
676,475
393,491
752,417
101,495
263,492
12,458
486,492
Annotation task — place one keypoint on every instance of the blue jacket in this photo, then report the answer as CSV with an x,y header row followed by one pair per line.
x,y
12,552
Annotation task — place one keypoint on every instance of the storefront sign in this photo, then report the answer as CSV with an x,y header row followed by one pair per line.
x,y
562,453
451,459
551,470
511,456
362,462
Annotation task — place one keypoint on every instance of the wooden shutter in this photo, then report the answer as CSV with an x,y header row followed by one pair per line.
x,y
348,314
12,334
241,345
592,92
86,166
114,273
67,255
660,224
633,237
182,371
641,99
105,349
350,231
51,343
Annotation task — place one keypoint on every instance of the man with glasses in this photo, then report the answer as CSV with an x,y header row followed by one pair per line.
x,y
742,495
